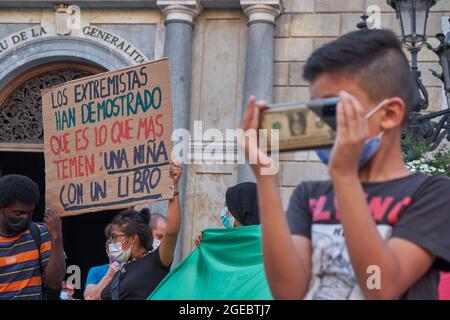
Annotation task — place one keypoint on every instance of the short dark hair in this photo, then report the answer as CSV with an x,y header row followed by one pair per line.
x,y
374,57
18,188
132,222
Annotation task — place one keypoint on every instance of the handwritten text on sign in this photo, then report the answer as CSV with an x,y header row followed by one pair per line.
x,y
108,140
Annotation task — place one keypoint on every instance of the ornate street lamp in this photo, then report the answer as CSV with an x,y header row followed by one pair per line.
x,y
443,52
413,17
441,129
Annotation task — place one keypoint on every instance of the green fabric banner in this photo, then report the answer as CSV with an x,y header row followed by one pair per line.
x,y
228,265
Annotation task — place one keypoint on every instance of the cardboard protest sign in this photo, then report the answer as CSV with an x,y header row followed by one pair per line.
x,y
108,140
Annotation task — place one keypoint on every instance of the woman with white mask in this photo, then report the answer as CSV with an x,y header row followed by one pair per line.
x,y
131,245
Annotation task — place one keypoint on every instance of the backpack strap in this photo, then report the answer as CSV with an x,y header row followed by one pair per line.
x,y
36,235
47,293
115,286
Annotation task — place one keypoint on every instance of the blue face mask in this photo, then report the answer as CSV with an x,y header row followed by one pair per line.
x,y
64,295
371,145
227,221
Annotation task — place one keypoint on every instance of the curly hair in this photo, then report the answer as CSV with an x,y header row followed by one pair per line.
x,y
18,188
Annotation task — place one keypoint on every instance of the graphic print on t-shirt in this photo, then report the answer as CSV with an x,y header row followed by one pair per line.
x,y
333,277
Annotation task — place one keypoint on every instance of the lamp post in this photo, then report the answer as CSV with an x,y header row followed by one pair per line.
x,y
443,52
442,127
413,18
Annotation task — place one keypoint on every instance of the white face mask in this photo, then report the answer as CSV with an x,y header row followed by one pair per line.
x,y
117,253
156,244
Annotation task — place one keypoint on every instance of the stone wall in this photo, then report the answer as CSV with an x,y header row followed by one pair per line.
x,y
219,48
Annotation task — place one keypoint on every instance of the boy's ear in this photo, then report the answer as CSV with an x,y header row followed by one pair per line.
x,y
393,113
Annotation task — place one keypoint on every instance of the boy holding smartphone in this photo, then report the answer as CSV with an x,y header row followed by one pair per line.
x,y
374,230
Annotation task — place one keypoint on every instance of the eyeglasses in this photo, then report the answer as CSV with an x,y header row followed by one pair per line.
x,y
114,238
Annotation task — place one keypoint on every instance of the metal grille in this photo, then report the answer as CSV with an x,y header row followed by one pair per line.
x,y
21,113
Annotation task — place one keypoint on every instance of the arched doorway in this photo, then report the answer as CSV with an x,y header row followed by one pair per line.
x,y
21,127
21,107
21,152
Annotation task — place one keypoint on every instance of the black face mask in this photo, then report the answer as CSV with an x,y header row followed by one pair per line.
x,y
16,225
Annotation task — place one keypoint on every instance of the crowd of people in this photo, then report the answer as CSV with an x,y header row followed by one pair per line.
x,y
373,231
32,264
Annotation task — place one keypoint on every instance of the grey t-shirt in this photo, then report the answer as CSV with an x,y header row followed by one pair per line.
x,y
415,208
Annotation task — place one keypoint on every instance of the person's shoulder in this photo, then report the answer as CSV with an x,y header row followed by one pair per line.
x,y
96,272
309,189
441,180
310,186
104,268
42,228
99,268
150,256
432,183
155,257
428,179
153,253
437,185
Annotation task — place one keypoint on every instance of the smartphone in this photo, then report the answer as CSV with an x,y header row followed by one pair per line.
x,y
301,125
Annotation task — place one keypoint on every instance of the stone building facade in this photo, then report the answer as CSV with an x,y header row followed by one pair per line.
x,y
220,51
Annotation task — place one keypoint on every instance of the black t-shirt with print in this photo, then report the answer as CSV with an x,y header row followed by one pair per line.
x,y
138,278
415,208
